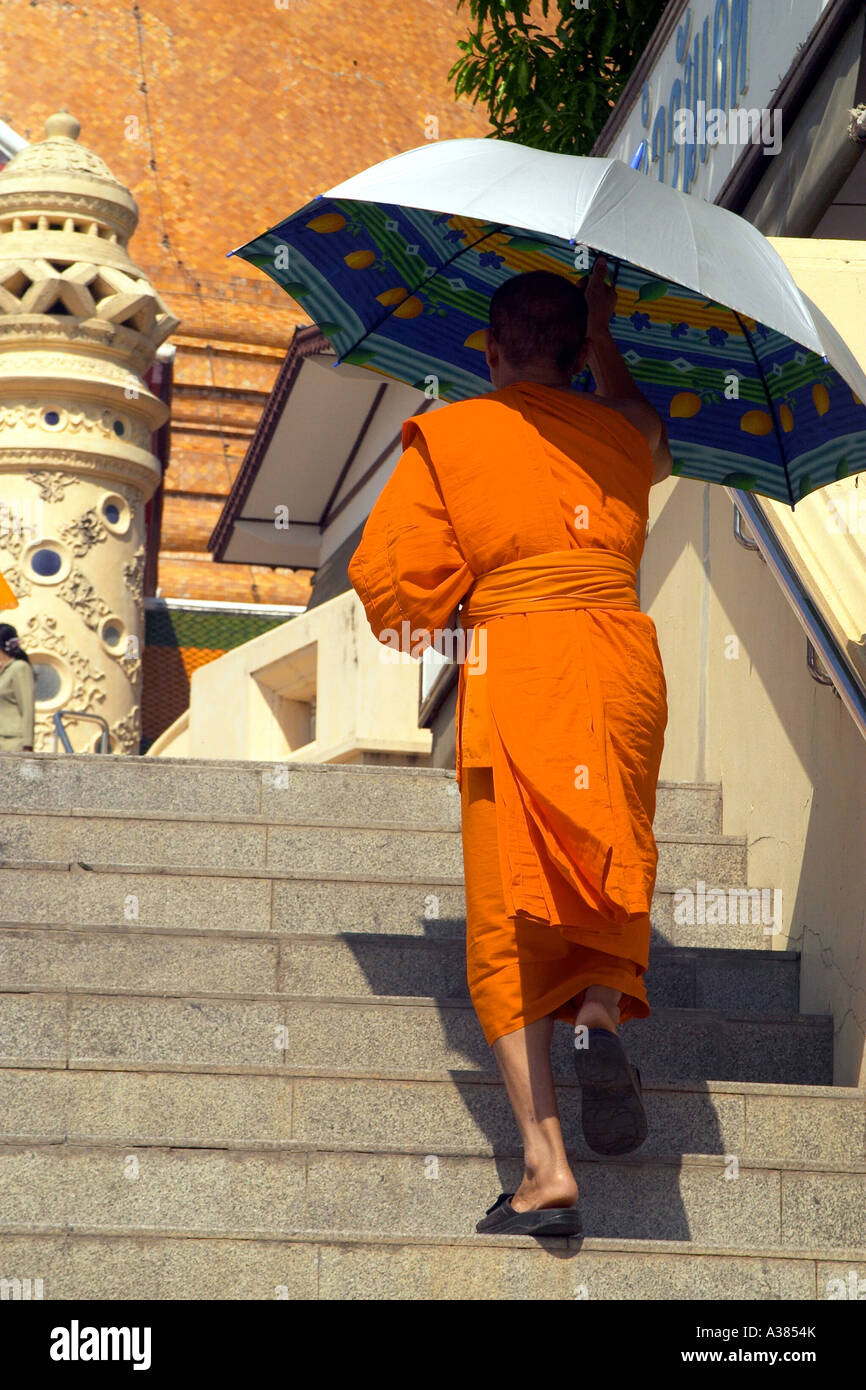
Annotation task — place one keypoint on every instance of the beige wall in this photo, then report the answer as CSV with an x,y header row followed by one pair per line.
x,y
745,712
256,701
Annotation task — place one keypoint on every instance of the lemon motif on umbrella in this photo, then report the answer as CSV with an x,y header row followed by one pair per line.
x,y
406,305
392,296
327,222
409,308
821,398
359,260
684,405
756,422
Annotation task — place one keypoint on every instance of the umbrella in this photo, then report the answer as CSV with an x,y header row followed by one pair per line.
x,y
397,265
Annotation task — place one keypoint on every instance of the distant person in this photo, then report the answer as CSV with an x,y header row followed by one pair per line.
x,y
17,694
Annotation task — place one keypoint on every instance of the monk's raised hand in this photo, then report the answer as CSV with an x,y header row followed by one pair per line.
x,y
600,299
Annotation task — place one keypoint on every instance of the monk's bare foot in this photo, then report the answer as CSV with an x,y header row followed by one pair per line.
x,y
556,1190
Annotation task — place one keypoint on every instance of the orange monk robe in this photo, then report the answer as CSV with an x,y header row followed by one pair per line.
x,y
566,705
7,598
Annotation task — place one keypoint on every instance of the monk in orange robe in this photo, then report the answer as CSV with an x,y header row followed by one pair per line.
x,y
515,523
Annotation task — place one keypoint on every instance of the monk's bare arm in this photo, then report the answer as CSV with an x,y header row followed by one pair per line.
x,y
662,457
617,388
615,385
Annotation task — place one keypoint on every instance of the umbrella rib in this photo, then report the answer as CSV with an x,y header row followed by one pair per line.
x,y
773,417
421,283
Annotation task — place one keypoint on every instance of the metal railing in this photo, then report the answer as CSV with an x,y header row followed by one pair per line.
x,y
62,736
740,535
821,643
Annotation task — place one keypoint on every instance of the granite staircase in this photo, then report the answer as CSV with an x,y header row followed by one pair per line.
x,y
239,1060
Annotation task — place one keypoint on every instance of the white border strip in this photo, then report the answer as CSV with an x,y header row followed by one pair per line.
x,y
205,605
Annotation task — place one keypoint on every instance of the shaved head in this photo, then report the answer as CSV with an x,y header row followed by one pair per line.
x,y
539,319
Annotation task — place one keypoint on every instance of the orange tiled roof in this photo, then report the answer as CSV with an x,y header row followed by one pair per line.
x,y
221,119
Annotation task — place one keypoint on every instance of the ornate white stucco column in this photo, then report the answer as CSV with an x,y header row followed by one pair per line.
x,y
79,324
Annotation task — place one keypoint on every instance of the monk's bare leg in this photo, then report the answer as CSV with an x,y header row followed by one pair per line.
x,y
600,1008
523,1058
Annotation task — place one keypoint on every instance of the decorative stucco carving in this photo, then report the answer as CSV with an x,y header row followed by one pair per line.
x,y
43,733
86,206
52,486
21,587
83,533
133,573
61,364
56,364
86,178
92,467
12,541
86,692
87,419
50,330
80,594
126,732
59,152
87,290
132,668
41,633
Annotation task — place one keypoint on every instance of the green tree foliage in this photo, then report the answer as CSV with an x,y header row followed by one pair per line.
x,y
553,87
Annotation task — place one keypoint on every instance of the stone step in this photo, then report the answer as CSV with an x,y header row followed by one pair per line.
x,y
360,964
341,1266
425,1112
300,1188
143,838
326,793
62,893
79,1027
758,982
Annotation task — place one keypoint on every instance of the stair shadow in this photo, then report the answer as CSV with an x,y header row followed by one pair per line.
x,y
616,1202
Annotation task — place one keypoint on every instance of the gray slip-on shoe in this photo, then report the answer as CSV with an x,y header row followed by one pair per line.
x,y
614,1119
